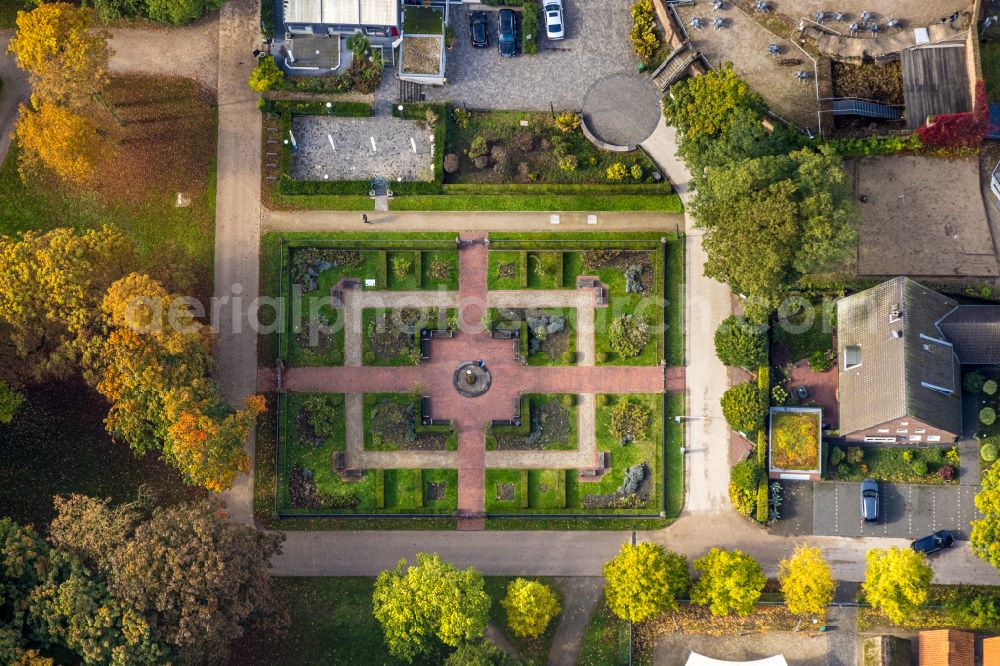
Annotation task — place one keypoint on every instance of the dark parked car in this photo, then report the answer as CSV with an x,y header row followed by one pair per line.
x,y
507,33
869,500
932,543
479,29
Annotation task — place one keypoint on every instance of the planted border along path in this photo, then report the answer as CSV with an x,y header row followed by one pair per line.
x,y
469,416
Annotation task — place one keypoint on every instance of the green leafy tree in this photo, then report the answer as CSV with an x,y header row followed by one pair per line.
x,y
731,581
530,607
745,407
629,420
744,138
479,653
703,106
744,478
10,402
644,580
770,220
266,75
179,12
738,343
430,600
807,582
201,579
897,581
49,597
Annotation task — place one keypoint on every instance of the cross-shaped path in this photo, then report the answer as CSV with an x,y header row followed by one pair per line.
x,y
511,378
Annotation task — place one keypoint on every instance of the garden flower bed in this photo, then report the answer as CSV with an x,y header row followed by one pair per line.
x,y
933,465
519,147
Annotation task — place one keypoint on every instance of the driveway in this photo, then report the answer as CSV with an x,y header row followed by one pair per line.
x,y
595,46
905,511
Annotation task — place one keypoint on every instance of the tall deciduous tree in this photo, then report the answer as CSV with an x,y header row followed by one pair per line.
x,y
61,140
807,582
645,580
154,366
731,581
530,607
985,536
704,106
770,220
201,579
430,600
51,288
897,581
67,58
49,597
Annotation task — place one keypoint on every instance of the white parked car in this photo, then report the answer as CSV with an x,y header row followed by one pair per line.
x,y
554,28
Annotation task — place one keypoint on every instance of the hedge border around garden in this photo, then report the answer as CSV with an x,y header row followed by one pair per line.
x,y
353,194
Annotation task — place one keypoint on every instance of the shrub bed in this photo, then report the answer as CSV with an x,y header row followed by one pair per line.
x,y
895,464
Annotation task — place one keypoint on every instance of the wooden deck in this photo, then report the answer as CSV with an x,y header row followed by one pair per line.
x,y
935,81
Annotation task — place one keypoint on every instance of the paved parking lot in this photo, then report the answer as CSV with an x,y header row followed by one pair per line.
x,y
596,45
905,511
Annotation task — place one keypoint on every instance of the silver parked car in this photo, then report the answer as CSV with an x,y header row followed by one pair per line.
x,y
869,500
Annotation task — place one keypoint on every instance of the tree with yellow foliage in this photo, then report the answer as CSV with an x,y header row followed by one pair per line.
x,y
56,138
807,582
67,58
51,288
530,607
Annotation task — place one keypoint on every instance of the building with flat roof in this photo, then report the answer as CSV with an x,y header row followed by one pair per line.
x,y
375,18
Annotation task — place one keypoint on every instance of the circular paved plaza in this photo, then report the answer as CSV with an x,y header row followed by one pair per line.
x,y
622,109
471,379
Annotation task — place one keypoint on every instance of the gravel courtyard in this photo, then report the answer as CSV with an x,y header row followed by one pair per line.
x,y
352,157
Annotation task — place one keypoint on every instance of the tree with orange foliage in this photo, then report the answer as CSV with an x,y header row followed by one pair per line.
x,y
154,367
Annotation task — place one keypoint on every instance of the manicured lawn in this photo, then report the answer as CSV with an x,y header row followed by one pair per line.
x,y
402,270
545,270
673,462
404,489
621,302
57,444
795,440
447,477
543,146
807,331
509,263
547,488
506,490
437,260
534,650
661,203
168,146
644,449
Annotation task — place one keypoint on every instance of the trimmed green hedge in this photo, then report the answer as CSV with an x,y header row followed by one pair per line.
x,y
522,273
762,506
555,188
523,484
383,269
380,488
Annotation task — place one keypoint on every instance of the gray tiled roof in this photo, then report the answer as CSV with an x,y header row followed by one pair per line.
x,y
901,358
975,332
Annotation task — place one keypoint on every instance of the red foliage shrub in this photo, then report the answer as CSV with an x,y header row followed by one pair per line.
x,y
946,472
959,130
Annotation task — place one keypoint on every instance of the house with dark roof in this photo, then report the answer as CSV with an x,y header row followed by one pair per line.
x,y
900,348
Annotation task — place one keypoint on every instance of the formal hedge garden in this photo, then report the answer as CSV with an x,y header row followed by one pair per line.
x,y
640,273
308,266
548,423
548,335
313,434
392,423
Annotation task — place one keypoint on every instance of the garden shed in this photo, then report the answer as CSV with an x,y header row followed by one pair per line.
x,y
796,438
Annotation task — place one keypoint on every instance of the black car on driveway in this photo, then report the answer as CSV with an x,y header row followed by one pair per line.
x,y
932,543
479,30
507,33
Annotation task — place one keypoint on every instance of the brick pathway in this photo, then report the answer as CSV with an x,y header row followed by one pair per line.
x,y
470,416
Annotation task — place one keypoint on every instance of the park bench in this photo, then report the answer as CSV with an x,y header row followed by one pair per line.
x,y
601,296
789,61
425,409
354,473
